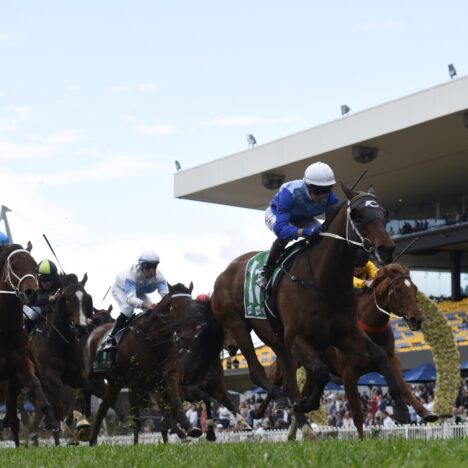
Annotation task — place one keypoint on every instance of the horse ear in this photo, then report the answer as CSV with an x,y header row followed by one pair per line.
x,y
171,288
191,286
347,191
29,246
109,309
371,189
85,278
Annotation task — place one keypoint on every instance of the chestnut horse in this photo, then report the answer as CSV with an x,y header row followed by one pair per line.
x,y
18,287
315,303
392,290
146,362
57,349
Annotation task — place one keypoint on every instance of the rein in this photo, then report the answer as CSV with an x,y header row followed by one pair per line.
x,y
365,243
16,291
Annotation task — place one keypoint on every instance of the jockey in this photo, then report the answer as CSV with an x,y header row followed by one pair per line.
x,y
292,212
131,288
49,288
364,270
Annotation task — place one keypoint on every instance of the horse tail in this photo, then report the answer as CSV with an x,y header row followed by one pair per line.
x,y
206,347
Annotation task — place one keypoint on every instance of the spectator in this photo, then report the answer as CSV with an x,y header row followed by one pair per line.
x,y
192,415
387,420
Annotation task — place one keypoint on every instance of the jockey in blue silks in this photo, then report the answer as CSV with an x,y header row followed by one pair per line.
x,y
131,289
293,209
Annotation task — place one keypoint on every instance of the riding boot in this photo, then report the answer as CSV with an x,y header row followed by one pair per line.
x,y
120,323
264,274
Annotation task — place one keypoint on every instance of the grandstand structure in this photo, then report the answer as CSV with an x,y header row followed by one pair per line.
x,y
416,152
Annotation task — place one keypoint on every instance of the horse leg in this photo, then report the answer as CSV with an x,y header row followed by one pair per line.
x,y
11,409
134,399
257,372
427,415
27,379
360,347
112,393
161,396
350,384
210,432
274,374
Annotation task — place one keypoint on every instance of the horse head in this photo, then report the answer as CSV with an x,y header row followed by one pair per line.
x,y
19,272
366,219
75,302
395,291
101,316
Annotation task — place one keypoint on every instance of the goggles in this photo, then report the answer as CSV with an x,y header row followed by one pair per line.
x,y
46,279
319,190
149,265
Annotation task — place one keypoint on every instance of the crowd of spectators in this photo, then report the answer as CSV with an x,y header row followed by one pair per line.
x,y
376,406
417,225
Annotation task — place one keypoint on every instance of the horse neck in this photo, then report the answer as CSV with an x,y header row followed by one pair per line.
x,y
332,261
368,313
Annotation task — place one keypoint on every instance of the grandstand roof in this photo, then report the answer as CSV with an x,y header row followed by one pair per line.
x,y
422,142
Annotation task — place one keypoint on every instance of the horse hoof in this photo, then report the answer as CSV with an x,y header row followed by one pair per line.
x,y
194,432
430,417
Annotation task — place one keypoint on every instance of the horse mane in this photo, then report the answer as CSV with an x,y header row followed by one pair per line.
x,y
331,212
6,252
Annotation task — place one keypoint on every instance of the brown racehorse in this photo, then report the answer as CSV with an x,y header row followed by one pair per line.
x,y
315,303
392,290
57,349
146,362
201,371
18,286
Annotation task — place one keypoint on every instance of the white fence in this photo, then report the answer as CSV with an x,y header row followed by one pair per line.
x,y
410,432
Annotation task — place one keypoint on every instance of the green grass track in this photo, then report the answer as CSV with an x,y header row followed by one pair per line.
x,y
371,453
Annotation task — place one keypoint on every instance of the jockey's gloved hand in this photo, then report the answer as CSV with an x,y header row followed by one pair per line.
x,y
312,233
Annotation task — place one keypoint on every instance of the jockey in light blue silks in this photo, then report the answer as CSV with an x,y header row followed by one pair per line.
x,y
131,289
292,212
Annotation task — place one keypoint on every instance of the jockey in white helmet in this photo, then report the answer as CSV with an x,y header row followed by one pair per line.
x,y
292,211
131,289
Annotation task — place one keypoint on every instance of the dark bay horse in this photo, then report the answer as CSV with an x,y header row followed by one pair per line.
x,y
392,293
57,349
18,287
200,339
146,362
315,303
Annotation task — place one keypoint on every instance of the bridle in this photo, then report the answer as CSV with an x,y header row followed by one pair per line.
x,y
11,275
364,243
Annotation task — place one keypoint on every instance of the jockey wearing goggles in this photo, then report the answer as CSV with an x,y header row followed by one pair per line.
x,y
293,209
49,289
131,289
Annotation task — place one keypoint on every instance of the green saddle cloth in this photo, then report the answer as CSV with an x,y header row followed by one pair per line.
x,y
104,361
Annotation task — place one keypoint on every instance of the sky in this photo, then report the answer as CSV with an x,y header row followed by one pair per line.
x,y
99,98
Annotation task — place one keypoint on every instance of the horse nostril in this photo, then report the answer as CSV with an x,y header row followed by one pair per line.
x,y
386,253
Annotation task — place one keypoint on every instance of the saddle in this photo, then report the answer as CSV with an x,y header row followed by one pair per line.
x,y
261,303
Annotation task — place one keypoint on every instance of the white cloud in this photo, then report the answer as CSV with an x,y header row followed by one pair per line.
x,y
65,137
136,88
129,118
243,120
8,39
377,25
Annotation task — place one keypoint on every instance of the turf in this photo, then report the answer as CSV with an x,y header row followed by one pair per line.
x,y
372,453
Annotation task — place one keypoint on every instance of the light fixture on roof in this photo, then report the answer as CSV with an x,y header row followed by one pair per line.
x,y
177,165
344,109
272,181
251,140
364,154
452,71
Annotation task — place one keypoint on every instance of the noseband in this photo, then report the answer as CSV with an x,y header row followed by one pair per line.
x,y
364,243
10,275
391,291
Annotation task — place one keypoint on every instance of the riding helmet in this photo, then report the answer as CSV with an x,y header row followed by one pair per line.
x,y
319,174
148,256
4,240
46,268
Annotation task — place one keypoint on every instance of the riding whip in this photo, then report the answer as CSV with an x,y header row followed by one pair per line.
x,y
363,173
43,317
406,248
50,247
105,295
